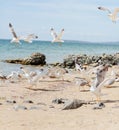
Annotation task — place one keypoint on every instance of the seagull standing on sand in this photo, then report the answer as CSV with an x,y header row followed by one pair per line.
x,y
57,38
30,37
113,16
15,39
98,82
78,66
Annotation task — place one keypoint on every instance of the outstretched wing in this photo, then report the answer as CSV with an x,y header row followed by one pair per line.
x,y
31,36
53,33
104,9
61,33
116,10
12,30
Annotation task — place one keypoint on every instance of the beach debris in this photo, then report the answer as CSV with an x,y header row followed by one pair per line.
x,y
28,101
11,101
59,100
17,107
99,106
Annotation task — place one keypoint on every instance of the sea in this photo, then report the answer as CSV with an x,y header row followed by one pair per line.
x,y
54,52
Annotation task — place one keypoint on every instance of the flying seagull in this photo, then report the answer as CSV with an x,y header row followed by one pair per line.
x,y
57,38
15,39
112,15
30,37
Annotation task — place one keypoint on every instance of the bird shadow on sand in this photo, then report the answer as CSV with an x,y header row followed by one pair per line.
x,y
40,89
103,101
84,90
54,81
110,101
112,87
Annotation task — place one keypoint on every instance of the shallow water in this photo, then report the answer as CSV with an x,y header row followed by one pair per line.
x,y
54,52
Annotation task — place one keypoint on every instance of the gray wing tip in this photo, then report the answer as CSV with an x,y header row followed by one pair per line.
x,y
10,25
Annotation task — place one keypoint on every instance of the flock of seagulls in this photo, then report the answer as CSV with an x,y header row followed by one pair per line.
x,y
17,39
100,81
58,37
31,37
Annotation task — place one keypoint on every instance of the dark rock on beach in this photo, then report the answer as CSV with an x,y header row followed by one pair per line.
x,y
59,100
96,60
35,59
10,102
73,104
28,101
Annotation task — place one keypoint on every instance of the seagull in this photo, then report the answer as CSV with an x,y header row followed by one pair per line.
x,y
57,38
14,75
99,82
112,15
78,66
109,80
81,82
3,78
15,39
57,72
30,37
32,76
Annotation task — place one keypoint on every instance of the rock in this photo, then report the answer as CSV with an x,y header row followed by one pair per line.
x,y
59,100
16,61
35,59
28,101
10,102
99,106
109,59
34,108
73,104
17,107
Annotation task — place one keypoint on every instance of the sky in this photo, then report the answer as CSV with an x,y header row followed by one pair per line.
x,y
81,19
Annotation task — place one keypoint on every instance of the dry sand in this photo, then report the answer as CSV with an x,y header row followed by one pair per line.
x,y
50,116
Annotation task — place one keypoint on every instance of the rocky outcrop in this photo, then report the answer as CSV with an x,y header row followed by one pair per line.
x,y
34,59
69,62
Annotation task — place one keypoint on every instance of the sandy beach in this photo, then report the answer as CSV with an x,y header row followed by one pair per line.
x,y
42,114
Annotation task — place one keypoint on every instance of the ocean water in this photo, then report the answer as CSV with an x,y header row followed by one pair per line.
x,y
54,52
